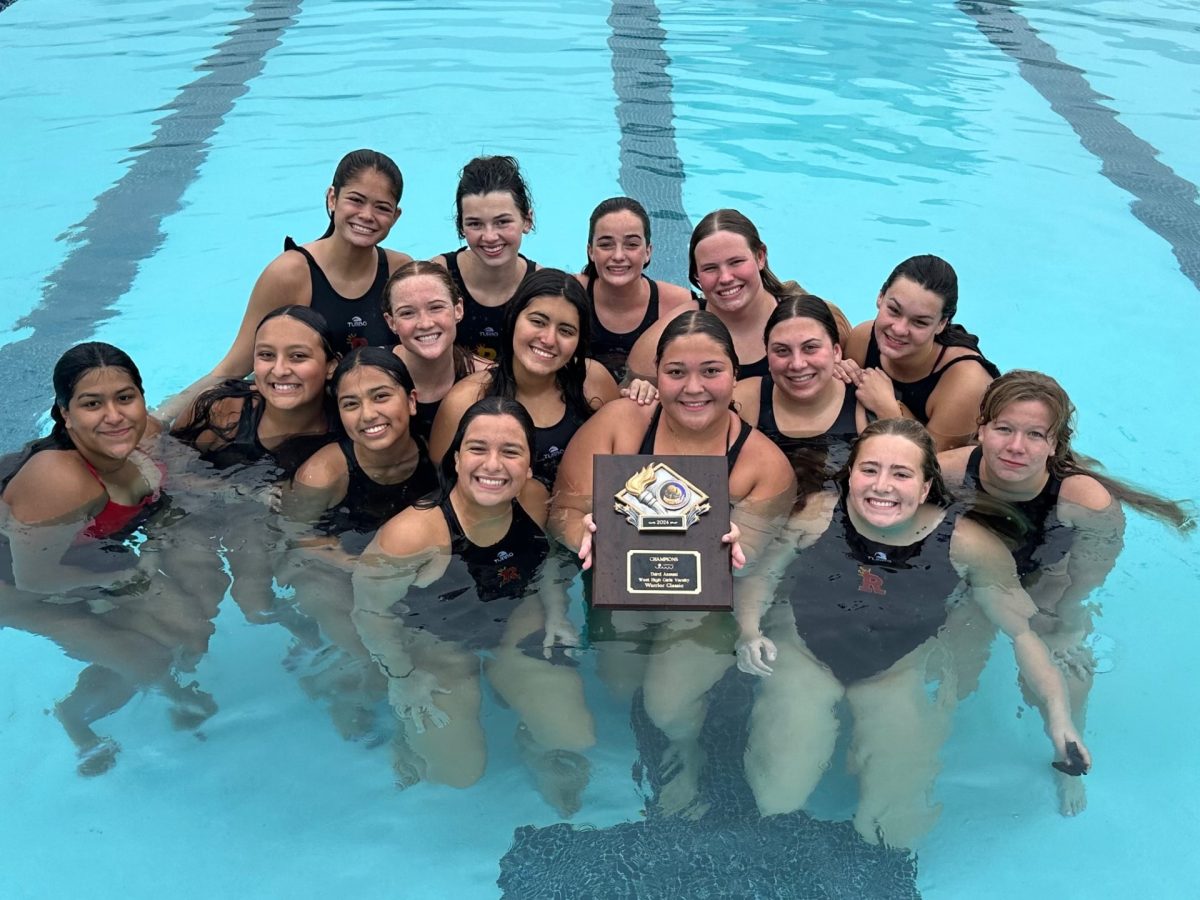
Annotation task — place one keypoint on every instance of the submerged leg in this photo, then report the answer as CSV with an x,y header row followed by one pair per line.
x,y
793,726
694,651
98,692
455,754
898,732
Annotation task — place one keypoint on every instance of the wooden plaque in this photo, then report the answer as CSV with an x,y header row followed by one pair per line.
x,y
659,523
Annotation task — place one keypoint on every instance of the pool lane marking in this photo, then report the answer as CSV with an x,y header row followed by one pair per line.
x,y
1164,201
124,226
651,171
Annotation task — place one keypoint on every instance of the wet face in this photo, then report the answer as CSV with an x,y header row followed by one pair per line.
x,y
290,367
106,416
695,381
375,409
801,357
493,227
546,335
619,249
493,463
423,316
728,271
364,210
909,317
1017,444
887,486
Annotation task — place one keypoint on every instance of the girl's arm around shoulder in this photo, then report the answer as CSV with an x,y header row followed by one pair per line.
x,y
456,402
598,386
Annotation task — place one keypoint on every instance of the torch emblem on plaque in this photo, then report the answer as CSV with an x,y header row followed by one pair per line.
x,y
657,498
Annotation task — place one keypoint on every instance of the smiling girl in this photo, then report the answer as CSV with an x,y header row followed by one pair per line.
x,y
624,302
423,308
493,212
812,416
913,361
866,581
728,263
545,368
459,574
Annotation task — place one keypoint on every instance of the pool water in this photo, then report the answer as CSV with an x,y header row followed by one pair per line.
x,y
158,153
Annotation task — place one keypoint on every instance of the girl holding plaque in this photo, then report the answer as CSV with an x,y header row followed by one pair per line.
x,y
677,656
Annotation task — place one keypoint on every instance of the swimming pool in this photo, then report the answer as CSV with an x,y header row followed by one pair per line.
x,y
853,135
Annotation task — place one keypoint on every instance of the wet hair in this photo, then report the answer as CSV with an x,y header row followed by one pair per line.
x,y
733,221
1021,385
492,174
612,205
357,162
803,306
415,269
938,277
696,321
377,358
70,369
201,418
915,432
571,377
487,406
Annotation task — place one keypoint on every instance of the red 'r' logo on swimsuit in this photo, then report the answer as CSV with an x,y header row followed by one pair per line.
x,y
870,583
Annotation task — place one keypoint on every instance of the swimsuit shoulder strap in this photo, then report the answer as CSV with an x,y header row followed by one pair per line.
x,y
735,448
651,433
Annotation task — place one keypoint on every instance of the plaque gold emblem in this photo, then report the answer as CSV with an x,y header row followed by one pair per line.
x,y
657,498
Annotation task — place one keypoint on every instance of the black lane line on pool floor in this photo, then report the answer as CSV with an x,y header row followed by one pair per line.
x,y
1165,203
651,171
125,226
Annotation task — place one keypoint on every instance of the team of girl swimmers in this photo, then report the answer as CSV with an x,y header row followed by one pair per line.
x,y
423,434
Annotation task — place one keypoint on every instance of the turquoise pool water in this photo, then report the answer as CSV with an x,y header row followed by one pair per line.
x,y
853,135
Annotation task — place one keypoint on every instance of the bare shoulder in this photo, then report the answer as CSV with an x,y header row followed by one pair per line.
x,y
439,260
768,467
396,259
856,344
618,427
599,388
953,463
413,532
674,299
973,546
843,324
288,270
53,486
746,398
581,278
324,469
1085,491
469,388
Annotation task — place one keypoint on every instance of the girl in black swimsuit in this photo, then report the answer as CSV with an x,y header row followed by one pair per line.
x,y
340,275
544,367
493,212
865,583
459,573
913,360
676,656
811,415
624,302
423,308
1062,520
